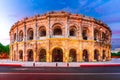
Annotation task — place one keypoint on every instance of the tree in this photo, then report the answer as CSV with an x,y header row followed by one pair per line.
x,y
1,48
4,49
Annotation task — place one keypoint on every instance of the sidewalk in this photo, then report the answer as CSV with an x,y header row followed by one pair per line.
x,y
113,62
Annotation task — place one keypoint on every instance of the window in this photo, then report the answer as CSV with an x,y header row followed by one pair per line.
x,y
57,31
84,34
72,32
30,34
21,36
15,37
42,31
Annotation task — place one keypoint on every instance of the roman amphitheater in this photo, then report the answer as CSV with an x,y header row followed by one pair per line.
x,y
60,37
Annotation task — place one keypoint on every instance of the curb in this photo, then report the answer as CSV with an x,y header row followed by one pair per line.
x,y
11,65
100,65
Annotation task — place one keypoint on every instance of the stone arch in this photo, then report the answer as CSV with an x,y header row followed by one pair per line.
x,y
96,55
72,55
103,55
57,29
30,55
85,55
96,34
14,36
42,55
72,31
21,35
30,34
21,55
85,33
42,31
57,55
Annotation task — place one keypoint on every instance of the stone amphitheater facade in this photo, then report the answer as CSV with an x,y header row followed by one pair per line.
x,y
60,37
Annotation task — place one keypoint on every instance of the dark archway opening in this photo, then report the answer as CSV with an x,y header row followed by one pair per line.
x,y
103,56
57,31
84,34
42,33
30,55
72,55
57,55
72,32
42,55
30,34
21,55
96,55
85,56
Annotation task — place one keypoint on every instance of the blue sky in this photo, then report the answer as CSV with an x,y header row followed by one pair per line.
x,y
106,10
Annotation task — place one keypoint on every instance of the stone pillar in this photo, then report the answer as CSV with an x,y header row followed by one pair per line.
x,y
35,37
49,34
50,56
67,28
34,55
92,31
47,56
11,52
81,55
80,31
91,52
100,55
66,56
24,39
17,39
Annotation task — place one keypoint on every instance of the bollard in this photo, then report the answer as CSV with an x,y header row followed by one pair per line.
x,y
33,64
56,64
67,64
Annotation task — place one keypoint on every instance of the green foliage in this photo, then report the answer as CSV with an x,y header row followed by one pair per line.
x,y
115,54
4,49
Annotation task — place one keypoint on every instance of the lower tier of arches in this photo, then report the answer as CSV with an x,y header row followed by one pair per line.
x,y
57,54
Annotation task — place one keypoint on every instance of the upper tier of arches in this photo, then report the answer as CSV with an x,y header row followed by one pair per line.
x,y
60,25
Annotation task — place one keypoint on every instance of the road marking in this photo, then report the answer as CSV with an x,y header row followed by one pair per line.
x,y
60,73
27,69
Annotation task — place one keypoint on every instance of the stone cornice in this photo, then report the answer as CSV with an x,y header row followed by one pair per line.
x,y
60,14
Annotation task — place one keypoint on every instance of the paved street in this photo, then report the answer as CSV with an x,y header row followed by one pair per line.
x,y
59,73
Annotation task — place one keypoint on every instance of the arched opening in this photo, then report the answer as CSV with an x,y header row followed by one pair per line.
x,y
30,55
30,34
57,30
72,31
21,35
42,31
84,34
15,37
72,55
85,56
103,37
21,55
103,56
57,55
96,34
96,55
42,55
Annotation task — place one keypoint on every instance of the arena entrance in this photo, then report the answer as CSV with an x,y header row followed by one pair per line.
x,y
57,55
30,55
42,55
85,56
72,55
96,55
103,56
21,55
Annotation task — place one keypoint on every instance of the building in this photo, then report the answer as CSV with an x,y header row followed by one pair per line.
x,y
60,37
